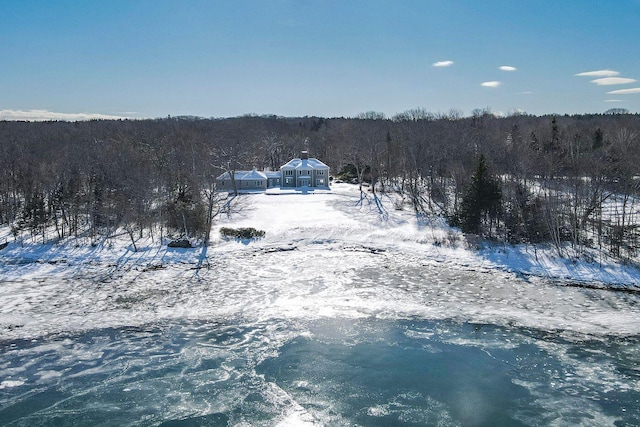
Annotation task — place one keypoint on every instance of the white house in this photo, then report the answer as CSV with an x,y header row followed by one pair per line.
x,y
298,172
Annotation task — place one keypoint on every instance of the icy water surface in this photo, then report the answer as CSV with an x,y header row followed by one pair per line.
x,y
363,372
312,336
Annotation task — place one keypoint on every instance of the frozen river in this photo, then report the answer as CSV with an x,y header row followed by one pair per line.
x,y
332,319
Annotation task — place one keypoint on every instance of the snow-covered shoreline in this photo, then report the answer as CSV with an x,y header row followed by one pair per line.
x,y
342,217
323,255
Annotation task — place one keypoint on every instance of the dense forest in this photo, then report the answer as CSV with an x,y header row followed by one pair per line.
x,y
570,181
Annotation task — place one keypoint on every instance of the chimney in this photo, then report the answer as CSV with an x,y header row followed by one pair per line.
x,y
304,154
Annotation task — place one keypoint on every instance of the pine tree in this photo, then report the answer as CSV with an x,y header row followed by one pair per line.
x,y
598,139
482,199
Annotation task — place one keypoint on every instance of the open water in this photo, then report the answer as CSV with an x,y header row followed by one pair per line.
x,y
363,372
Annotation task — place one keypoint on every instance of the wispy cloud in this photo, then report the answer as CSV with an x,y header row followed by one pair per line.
x,y
443,64
613,100
624,91
507,68
491,84
44,115
599,73
613,81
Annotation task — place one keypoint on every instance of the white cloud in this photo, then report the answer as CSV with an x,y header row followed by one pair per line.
x,y
598,73
613,100
443,64
613,81
624,91
491,84
44,115
508,68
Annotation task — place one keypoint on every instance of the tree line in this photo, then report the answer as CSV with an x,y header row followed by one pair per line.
x,y
571,181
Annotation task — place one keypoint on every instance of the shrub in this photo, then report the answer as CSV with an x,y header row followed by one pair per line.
x,y
241,233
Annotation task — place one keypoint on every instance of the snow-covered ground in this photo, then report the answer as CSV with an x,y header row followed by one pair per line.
x,y
323,255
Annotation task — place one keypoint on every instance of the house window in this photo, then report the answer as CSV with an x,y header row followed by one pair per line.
x,y
320,172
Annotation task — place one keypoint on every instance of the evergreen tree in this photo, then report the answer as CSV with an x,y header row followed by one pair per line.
x,y
598,139
481,201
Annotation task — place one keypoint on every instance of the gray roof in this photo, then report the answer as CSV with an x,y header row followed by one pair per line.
x,y
301,164
244,175
304,164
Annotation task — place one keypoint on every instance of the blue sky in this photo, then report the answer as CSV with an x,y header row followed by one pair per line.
x,y
84,59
